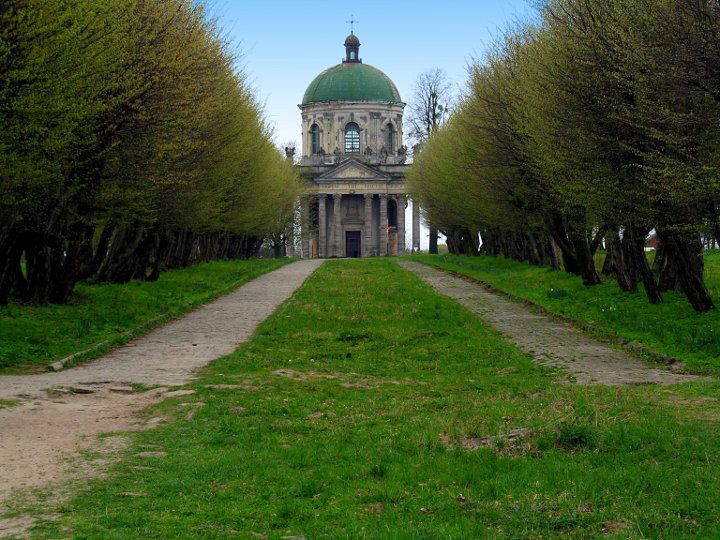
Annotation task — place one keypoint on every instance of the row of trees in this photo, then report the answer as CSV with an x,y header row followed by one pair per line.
x,y
591,127
129,144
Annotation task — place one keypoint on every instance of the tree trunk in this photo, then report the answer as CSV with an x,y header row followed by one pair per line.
x,y
552,257
617,264
11,249
121,264
67,270
433,241
586,262
685,252
557,231
659,261
92,265
634,253
608,268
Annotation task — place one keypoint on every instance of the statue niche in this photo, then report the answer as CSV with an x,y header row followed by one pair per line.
x,y
352,214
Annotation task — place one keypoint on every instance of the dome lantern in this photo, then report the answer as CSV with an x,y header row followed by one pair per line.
x,y
352,49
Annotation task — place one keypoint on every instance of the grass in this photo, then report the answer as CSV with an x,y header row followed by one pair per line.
x,y
33,336
671,328
8,403
361,436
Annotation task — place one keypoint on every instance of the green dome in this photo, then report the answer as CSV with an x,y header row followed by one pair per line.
x,y
351,82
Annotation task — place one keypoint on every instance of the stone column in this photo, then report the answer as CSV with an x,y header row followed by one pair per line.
x,y
322,226
367,227
415,227
374,241
401,224
337,225
305,227
382,229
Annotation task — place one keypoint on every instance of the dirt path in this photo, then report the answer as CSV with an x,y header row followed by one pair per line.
x,y
551,342
45,430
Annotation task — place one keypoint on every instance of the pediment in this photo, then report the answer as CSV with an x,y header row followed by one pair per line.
x,y
352,169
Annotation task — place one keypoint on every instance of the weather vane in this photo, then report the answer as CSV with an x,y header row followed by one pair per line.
x,y
352,22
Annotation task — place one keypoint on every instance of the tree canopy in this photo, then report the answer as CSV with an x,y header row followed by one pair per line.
x,y
594,126
130,144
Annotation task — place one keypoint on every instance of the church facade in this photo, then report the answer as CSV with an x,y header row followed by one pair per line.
x,y
353,163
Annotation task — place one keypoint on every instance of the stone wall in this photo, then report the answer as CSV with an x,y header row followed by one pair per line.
x,y
372,118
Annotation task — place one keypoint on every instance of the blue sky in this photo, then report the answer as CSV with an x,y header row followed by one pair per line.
x,y
286,43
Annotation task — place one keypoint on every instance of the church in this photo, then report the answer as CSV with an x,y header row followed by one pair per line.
x,y
353,163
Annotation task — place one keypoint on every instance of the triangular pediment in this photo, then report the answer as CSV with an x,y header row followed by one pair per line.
x,y
351,169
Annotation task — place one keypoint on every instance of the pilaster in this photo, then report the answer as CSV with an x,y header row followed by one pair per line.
x,y
383,228
415,227
401,201
337,225
322,225
305,227
367,227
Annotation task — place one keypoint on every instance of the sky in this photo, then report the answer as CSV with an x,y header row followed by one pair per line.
x,y
285,44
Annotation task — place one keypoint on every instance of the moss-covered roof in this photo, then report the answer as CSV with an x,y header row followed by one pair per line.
x,y
351,82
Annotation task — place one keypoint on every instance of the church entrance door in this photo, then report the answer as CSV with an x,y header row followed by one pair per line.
x,y
352,244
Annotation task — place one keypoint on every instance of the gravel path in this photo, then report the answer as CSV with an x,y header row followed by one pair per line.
x,y
552,343
169,355
40,436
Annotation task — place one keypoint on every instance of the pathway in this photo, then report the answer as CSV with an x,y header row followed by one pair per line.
x,y
170,354
551,343
38,436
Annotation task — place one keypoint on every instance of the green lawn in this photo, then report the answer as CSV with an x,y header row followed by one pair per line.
x,y
361,436
32,337
671,328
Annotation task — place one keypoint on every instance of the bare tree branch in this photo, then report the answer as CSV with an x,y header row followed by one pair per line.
x,y
430,105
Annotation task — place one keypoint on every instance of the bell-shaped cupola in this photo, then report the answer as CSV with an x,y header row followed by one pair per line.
x,y
352,49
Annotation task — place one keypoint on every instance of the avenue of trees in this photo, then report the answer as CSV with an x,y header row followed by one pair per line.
x,y
129,144
592,127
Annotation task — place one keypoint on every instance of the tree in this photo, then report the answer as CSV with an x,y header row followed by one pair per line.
x,y
429,108
430,104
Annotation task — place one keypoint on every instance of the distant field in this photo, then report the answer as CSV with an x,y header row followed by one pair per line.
x,y
33,336
672,328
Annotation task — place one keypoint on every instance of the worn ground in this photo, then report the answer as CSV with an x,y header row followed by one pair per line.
x,y
48,444
50,416
551,343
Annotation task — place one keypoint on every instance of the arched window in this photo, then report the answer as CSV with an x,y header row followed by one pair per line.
x,y
389,137
352,138
315,138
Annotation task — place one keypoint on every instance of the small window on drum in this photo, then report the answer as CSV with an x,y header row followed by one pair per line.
x,y
315,138
352,138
